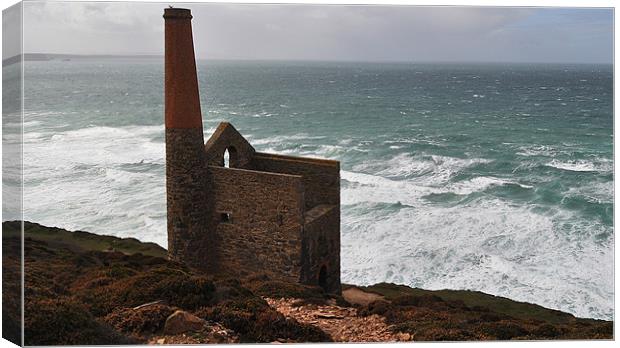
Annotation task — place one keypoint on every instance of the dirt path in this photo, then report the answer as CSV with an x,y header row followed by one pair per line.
x,y
341,323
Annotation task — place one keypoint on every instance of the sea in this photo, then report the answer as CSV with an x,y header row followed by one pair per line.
x,y
489,177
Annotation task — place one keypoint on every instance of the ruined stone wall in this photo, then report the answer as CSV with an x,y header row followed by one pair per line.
x,y
321,248
226,137
265,218
321,177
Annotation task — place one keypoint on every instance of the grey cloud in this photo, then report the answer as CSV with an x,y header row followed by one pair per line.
x,y
312,32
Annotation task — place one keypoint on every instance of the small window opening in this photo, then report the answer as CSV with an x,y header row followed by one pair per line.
x,y
226,218
229,158
323,278
280,219
226,159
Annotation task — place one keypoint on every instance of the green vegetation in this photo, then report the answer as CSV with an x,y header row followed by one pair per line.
x,y
68,322
521,310
79,241
82,288
457,315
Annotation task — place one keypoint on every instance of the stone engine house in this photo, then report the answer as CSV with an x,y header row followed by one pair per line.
x,y
260,213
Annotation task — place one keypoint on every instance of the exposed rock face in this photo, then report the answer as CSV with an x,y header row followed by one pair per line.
x,y
181,321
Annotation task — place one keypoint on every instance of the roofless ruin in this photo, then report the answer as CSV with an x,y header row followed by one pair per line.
x,y
263,213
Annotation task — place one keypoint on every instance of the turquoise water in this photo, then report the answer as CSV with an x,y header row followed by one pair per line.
x,y
496,178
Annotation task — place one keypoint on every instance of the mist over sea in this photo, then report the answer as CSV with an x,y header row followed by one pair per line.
x,y
497,178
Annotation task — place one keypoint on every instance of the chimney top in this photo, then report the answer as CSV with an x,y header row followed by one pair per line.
x,y
177,13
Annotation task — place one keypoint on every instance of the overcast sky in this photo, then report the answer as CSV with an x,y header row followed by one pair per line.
x,y
329,32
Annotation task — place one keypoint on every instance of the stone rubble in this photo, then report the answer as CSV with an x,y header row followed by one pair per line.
x,y
209,333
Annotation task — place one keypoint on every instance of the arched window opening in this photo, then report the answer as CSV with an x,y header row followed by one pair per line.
x,y
323,278
229,158
226,159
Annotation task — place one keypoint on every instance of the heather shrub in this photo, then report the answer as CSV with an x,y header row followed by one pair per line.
x,y
146,320
65,321
255,321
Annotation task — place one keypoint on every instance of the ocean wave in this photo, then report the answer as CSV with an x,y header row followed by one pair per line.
x,y
324,151
537,150
94,145
363,188
481,183
283,139
87,179
433,169
599,165
596,192
489,245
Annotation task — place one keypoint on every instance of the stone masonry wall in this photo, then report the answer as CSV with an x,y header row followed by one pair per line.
x,y
321,247
226,137
265,218
321,177
188,208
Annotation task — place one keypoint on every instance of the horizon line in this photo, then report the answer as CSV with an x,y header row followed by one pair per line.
x,y
309,60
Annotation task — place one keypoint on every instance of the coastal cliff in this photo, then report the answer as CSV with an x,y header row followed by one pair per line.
x,y
83,288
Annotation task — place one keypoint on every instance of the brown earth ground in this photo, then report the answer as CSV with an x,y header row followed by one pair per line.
x,y
86,289
343,324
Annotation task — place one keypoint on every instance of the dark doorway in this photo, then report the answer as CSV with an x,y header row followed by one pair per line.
x,y
323,278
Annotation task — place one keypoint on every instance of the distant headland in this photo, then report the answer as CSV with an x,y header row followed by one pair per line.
x,y
33,57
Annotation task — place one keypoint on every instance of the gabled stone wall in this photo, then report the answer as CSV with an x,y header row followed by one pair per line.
x,y
225,138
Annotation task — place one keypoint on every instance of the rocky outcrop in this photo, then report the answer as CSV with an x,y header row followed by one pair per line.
x,y
182,322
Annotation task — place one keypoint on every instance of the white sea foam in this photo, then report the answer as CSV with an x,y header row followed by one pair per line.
x,y
537,150
362,188
596,192
77,180
490,245
583,165
481,183
433,169
281,139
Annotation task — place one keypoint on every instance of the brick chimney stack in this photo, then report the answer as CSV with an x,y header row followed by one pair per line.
x,y
186,175
182,98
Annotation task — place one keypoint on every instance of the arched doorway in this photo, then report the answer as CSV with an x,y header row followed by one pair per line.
x,y
323,278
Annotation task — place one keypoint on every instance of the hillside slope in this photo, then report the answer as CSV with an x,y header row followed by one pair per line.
x,y
83,288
